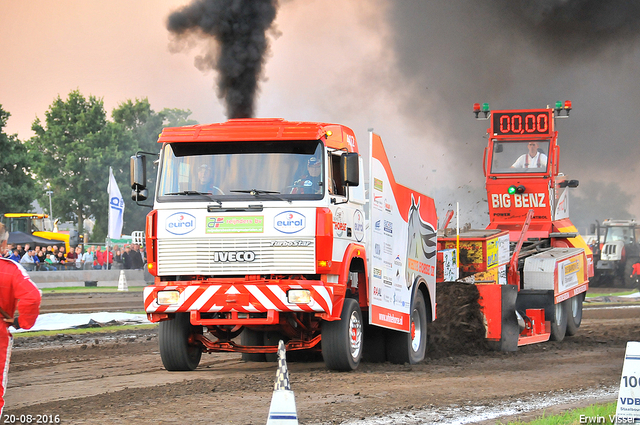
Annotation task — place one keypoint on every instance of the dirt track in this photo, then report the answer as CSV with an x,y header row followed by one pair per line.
x,y
119,379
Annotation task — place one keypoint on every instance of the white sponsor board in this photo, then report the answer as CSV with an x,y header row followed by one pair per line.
x,y
628,407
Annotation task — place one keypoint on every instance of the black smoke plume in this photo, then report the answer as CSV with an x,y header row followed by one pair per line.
x,y
527,54
239,31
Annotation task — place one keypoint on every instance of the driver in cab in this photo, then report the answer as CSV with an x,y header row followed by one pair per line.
x,y
532,159
310,182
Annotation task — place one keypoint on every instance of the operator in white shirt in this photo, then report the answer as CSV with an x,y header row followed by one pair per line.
x,y
531,159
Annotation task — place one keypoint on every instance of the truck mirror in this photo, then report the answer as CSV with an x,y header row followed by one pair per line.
x,y
139,194
138,169
573,183
350,168
592,228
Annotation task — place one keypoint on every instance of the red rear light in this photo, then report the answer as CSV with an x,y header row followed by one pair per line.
x,y
567,104
476,107
324,239
151,239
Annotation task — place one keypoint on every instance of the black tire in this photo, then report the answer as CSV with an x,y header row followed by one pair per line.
x,y
273,338
574,313
173,340
255,338
342,339
559,317
410,347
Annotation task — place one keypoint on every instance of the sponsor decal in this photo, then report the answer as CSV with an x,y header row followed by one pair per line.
x,y
387,281
376,249
377,202
377,291
388,227
376,226
351,141
397,261
358,225
519,200
387,206
289,222
290,243
377,184
388,249
235,224
339,223
233,256
421,267
180,223
390,318
377,273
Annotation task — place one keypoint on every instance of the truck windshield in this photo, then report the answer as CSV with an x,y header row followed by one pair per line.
x,y
241,171
522,156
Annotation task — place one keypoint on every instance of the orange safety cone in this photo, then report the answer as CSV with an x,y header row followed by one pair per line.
x,y
283,403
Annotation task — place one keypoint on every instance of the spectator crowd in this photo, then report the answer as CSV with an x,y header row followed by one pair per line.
x,y
52,257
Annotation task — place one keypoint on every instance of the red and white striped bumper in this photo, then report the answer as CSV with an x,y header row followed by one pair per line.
x,y
240,297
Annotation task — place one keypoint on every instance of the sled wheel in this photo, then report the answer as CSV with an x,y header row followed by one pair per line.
x,y
574,313
178,350
559,321
255,338
410,347
342,339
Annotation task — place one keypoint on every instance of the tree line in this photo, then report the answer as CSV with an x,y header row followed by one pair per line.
x,y
71,153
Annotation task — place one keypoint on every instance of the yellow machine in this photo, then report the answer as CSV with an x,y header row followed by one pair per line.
x,y
34,224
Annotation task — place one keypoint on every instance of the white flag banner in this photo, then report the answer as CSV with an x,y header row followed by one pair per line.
x,y
116,208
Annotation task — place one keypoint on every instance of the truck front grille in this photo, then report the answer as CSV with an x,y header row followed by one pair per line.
x,y
234,256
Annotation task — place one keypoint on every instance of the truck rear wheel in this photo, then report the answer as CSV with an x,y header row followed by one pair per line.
x,y
176,351
342,339
410,347
574,313
255,338
558,321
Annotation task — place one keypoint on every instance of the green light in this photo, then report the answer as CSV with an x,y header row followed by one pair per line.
x,y
512,190
485,107
558,105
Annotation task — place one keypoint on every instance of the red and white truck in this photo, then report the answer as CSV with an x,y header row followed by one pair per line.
x,y
263,228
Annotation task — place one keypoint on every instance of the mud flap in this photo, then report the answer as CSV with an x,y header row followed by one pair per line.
x,y
499,307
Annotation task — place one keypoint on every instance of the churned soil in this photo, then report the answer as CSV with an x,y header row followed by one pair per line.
x,y
119,378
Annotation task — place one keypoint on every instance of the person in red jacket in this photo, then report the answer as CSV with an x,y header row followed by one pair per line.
x,y
16,290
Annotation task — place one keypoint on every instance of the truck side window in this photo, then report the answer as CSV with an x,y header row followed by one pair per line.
x,y
336,177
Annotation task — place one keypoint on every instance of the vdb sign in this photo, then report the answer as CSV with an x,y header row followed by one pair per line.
x,y
628,408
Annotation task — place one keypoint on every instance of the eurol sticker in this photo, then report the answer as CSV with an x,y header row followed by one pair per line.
x,y
289,222
180,223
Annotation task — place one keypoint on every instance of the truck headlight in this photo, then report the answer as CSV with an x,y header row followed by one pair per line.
x,y
168,297
299,296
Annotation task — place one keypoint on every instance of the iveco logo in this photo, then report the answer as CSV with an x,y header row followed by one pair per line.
x,y
289,222
233,256
180,223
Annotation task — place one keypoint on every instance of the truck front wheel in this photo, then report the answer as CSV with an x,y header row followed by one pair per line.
x,y
558,322
342,339
178,350
410,347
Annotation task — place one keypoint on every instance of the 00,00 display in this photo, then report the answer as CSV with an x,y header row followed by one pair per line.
x,y
521,123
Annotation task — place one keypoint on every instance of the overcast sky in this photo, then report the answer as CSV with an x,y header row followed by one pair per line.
x,y
409,69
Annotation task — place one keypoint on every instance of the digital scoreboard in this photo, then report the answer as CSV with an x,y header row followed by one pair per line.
x,y
531,122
